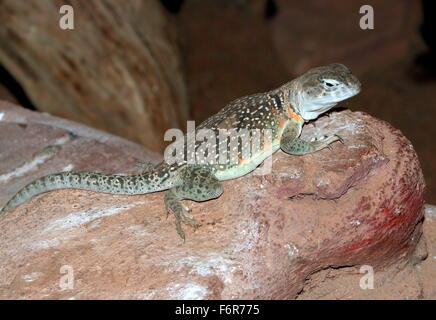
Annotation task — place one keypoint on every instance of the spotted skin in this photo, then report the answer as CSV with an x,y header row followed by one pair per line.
x,y
282,112
199,184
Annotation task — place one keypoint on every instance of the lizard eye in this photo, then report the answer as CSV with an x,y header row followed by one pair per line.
x,y
329,83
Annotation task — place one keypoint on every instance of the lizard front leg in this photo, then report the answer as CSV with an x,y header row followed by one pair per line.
x,y
292,144
199,184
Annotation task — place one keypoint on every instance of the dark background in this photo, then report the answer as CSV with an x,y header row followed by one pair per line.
x,y
140,67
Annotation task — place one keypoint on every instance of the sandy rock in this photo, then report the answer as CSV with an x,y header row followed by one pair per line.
x,y
407,279
268,236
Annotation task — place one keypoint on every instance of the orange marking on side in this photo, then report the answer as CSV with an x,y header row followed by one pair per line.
x,y
282,123
242,161
293,115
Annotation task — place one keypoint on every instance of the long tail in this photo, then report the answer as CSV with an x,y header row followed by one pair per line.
x,y
107,183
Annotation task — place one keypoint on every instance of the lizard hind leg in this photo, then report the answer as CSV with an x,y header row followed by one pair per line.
x,y
199,184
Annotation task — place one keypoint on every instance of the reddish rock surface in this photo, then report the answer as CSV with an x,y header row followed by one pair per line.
x,y
409,279
283,235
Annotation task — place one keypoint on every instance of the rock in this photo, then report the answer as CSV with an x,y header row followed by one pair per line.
x,y
271,236
119,70
5,94
312,33
223,59
427,268
26,136
412,279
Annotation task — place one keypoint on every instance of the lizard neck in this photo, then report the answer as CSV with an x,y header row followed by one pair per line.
x,y
292,101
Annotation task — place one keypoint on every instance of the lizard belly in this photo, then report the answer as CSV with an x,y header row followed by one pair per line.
x,y
241,169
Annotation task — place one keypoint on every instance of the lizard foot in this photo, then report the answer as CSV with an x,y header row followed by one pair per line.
x,y
299,147
324,142
199,185
181,213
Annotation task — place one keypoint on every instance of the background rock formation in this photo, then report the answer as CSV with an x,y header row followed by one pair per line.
x,y
119,70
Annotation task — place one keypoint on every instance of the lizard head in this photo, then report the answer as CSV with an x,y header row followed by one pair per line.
x,y
320,89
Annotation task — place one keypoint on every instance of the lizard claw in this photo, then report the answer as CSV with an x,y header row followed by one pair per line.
x,y
187,218
181,213
186,208
339,139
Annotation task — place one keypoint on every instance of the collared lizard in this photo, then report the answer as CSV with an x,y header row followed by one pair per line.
x,y
283,111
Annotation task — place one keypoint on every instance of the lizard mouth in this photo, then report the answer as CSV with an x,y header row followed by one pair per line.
x,y
340,95
313,108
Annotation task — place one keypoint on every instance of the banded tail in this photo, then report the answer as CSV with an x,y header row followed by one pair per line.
x,y
107,183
